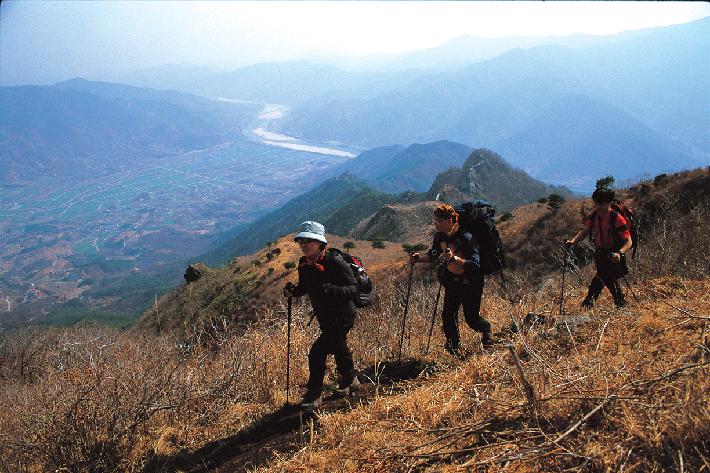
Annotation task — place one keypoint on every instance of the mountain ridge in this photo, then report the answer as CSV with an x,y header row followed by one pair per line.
x,y
42,128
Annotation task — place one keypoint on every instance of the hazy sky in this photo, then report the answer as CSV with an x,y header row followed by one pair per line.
x,y
44,42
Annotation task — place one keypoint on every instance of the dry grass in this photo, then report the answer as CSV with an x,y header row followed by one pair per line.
x,y
646,367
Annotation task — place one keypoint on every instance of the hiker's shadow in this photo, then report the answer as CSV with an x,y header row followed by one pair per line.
x,y
393,372
241,448
278,430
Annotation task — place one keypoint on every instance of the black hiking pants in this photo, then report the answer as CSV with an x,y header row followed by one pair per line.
x,y
608,274
466,292
333,341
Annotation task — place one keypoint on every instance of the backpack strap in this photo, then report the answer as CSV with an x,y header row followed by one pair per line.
x,y
613,215
595,228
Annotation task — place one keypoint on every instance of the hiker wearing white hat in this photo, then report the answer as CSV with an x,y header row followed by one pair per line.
x,y
330,284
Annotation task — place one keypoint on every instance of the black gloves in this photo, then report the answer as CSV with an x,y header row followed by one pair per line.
x,y
330,289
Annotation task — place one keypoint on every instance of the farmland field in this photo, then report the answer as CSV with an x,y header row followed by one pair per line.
x,y
57,238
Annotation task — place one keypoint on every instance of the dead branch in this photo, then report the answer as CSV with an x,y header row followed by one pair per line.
x,y
529,392
601,335
584,419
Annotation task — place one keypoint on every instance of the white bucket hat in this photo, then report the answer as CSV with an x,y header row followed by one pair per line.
x,y
312,230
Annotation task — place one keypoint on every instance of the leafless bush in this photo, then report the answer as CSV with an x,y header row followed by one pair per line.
x,y
677,244
95,399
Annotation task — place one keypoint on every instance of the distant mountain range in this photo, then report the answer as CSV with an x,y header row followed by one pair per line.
x,y
78,128
577,139
641,94
649,84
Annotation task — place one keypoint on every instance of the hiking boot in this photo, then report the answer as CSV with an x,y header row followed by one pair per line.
x,y
311,401
347,389
453,349
486,340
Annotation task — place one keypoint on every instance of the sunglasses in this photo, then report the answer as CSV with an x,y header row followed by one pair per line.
x,y
304,241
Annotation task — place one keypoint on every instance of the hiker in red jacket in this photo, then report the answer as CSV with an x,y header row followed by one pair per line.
x,y
612,239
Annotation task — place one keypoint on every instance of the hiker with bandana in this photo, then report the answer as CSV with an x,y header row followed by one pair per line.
x,y
331,286
457,254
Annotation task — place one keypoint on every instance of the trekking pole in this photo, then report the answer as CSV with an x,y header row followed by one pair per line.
x,y
288,350
515,325
564,271
406,308
631,289
433,317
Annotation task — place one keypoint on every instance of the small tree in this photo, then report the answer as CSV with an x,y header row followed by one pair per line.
x,y
554,202
348,245
505,217
289,265
542,200
605,182
409,248
378,244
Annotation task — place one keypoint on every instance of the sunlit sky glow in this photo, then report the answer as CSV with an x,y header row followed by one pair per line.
x,y
42,42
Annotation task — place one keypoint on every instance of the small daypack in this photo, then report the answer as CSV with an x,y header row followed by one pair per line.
x,y
618,207
477,219
365,290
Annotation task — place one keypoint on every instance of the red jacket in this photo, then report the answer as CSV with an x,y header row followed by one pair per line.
x,y
598,223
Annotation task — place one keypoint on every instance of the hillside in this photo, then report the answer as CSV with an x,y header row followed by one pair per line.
x,y
242,288
533,237
486,175
78,129
407,223
339,203
605,390
342,203
395,169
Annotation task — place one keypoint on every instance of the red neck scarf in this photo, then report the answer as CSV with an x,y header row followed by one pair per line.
x,y
315,261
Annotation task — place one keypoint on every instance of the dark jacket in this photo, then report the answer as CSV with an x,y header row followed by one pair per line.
x,y
462,244
331,291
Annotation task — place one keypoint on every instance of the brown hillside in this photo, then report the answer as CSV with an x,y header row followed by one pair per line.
x,y
534,237
402,223
237,292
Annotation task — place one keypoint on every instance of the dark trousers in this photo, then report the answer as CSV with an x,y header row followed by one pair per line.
x,y
331,342
467,293
608,274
